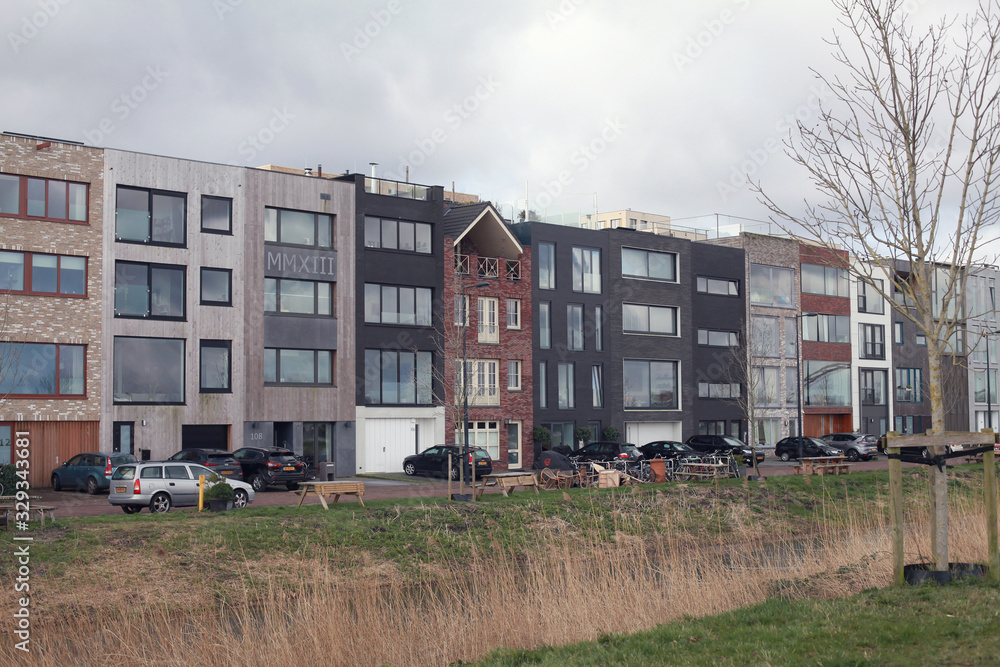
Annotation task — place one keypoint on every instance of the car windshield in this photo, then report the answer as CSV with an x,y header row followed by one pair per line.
x,y
221,456
124,472
480,454
819,443
733,442
283,457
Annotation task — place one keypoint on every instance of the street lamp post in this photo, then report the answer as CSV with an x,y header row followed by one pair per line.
x,y
466,451
798,373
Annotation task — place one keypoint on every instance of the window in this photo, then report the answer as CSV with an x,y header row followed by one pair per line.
x,y
42,369
827,328
484,434
764,332
586,270
513,375
45,198
985,342
148,370
649,264
920,339
216,366
723,286
826,280
897,333
766,386
768,430
150,216
543,382
869,297
461,310
718,390
714,338
597,387
872,341
489,329
827,383
35,273
909,383
216,215
388,304
398,235
791,386
216,287
651,384
981,297
772,286
483,381
546,266
873,384
298,228
290,366
393,377
513,313
566,386
649,319
713,427
791,337
598,328
154,291
981,379
544,325
574,326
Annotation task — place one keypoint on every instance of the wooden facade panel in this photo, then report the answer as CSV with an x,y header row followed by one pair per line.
x,y
53,442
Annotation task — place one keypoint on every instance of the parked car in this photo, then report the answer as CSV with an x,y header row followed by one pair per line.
x,y
724,444
666,449
90,471
788,448
434,461
263,466
856,446
218,460
165,484
604,450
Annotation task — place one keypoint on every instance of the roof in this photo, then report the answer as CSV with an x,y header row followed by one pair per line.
x,y
484,226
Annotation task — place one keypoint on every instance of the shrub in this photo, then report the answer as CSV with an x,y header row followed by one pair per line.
x,y
220,489
582,433
541,434
8,478
612,434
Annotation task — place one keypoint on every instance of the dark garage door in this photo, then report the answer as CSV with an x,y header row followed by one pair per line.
x,y
205,436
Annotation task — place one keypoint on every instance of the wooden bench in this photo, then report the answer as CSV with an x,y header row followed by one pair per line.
x,y
825,469
9,511
507,482
335,489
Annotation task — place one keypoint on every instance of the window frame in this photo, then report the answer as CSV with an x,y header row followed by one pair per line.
x,y
151,193
278,382
419,229
772,272
566,385
315,298
706,339
674,311
582,259
513,375
423,376
575,328
226,345
837,275
22,200
702,284
915,376
201,286
546,265
278,213
57,351
864,298
209,230
150,266
545,325
513,313
674,405
871,346
675,258
183,370
27,264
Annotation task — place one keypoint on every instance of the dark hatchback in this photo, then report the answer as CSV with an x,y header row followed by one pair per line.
x,y
434,461
218,460
788,448
603,450
263,467
724,444
666,449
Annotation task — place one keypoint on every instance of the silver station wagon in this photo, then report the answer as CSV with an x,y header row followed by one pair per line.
x,y
165,484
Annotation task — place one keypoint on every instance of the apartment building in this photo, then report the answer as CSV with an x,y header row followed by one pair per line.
x,y
982,332
871,352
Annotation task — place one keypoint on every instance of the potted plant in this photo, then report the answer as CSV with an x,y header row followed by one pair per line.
x,y
611,434
541,436
582,434
220,495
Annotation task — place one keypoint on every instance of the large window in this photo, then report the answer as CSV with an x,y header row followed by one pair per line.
x,y
298,228
290,366
791,386
772,286
216,215
45,198
766,386
827,383
817,279
388,304
300,297
872,337
398,235
566,386
827,328
714,338
216,366
216,287
586,270
148,370
981,379
718,390
981,297
651,384
154,291
764,336
873,384
487,315
50,275
649,264
721,286
791,337
546,266
649,319
984,342
42,369
869,298
544,325
484,434
909,385
574,326
483,380
393,377
150,216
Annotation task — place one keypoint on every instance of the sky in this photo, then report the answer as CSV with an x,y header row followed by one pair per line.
x,y
661,106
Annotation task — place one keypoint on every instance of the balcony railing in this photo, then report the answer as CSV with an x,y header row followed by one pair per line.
x,y
489,267
873,351
462,265
513,269
489,333
484,395
378,186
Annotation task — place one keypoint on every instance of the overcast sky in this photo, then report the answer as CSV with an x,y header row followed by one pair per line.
x,y
657,105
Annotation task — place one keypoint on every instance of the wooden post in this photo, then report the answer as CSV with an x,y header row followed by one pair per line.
x,y
896,508
990,482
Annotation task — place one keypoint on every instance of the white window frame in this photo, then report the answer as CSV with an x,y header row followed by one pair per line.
x,y
514,375
513,313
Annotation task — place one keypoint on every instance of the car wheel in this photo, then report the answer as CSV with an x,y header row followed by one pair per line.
x,y
454,472
91,486
258,483
241,498
852,455
56,484
785,456
410,469
131,509
292,486
160,503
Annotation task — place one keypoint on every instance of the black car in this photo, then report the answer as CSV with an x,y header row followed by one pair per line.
x,y
262,466
788,448
603,450
218,460
724,444
434,461
666,449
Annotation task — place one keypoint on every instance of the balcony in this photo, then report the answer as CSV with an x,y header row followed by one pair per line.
x,y
462,265
489,333
489,267
873,351
513,269
378,186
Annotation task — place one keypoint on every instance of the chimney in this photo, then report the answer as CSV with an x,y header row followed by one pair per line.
x,y
308,171
373,165
319,170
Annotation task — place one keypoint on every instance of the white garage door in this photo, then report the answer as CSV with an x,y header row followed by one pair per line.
x,y
639,433
388,441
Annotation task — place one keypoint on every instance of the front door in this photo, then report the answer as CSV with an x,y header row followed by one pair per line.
x,y
122,438
514,445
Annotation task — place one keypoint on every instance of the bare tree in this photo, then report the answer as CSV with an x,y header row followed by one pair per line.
x,y
905,163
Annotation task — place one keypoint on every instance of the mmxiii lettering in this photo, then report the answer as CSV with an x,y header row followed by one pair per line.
x,y
283,261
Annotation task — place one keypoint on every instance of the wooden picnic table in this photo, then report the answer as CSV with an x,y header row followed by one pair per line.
x,y
507,482
335,489
42,510
822,465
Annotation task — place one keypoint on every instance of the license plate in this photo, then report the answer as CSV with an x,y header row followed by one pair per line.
x,y
121,489
227,472
290,468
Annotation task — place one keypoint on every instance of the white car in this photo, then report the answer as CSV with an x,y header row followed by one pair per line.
x,y
161,485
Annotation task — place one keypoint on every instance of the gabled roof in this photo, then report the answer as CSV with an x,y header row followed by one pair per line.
x,y
483,225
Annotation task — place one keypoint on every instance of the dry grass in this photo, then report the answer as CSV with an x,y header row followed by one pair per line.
x,y
570,590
